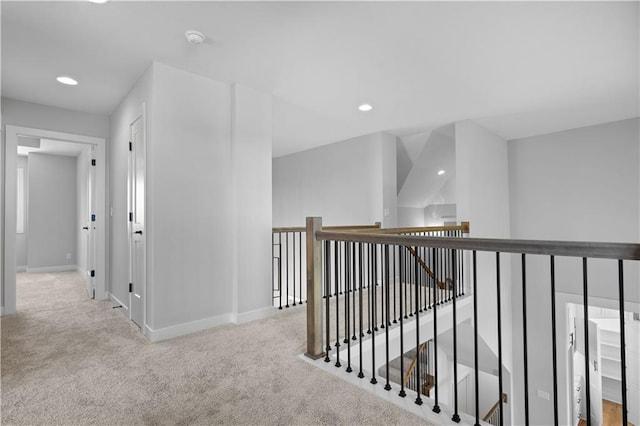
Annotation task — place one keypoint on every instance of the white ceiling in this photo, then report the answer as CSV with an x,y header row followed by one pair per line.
x,y
517,68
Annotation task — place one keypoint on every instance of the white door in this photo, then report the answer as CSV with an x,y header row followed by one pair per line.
x,y
595,373
137,238
90,225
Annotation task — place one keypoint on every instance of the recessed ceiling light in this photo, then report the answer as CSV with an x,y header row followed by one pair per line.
x,y
441,172
67,80
365,107
98,1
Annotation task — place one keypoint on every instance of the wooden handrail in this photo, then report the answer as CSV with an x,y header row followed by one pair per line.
x,y
406,376
464,227
422,263
495,407
330,228
491,411
598,250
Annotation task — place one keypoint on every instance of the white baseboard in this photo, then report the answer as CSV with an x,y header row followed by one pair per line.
x,y
257,314
60,268
185,328
21,268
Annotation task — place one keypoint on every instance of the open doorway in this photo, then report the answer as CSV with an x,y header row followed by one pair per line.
x,y
55,203
604,364
53,163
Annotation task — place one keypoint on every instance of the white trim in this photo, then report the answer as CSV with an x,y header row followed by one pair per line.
x,y
59,268
185,328
257,314
423,411
22,268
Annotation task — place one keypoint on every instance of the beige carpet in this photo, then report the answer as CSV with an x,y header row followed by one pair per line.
x,y
70,360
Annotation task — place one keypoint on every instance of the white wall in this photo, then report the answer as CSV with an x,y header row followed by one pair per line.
x,y
190,206
581,185
208,200
52,212
389,176
26,114
346,183
251,155
438,214
482,198
410,217
21,239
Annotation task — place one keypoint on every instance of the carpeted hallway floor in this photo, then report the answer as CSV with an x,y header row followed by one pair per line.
x,y
70,360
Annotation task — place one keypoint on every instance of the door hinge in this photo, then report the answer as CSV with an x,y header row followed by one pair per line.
x,y
130,146
130,287
130,216
93,162
93,273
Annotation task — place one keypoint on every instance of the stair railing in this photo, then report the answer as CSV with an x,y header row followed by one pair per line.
x,y
411,380
288,266
380,260
493,417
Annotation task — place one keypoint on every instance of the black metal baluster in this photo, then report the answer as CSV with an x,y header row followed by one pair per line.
x,y
353,287
553,337
369,315
429,278
360,256
524,339
623,358
395,321
373,334
419,282
347,287
382,293
499,308
336,274
300,264
286,239
374,295
441,293
456,416
294,268
406,279
412,280
402,275
475,337
386,288
345,260
327,289
280,268
586,338
417,365
436,407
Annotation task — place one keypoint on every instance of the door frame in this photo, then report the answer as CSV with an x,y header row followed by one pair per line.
x,y
9,211
139,114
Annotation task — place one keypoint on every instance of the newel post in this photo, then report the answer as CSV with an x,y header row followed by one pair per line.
x,y
314,289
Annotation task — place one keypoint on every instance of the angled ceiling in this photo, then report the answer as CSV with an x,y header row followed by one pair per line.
x,y
517,68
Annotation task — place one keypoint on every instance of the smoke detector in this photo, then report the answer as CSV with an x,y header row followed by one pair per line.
x,y
194,37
